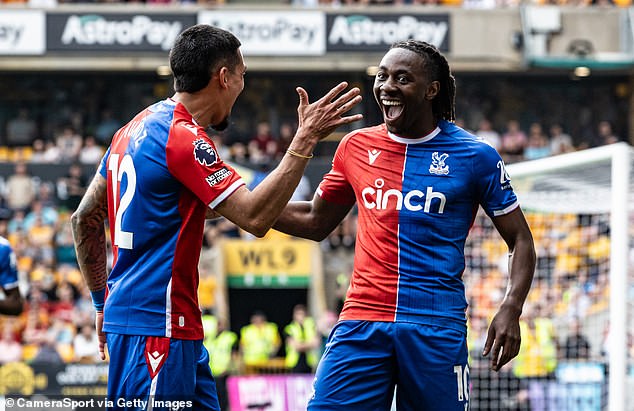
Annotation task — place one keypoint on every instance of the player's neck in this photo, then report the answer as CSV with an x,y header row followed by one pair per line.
x,y
195,106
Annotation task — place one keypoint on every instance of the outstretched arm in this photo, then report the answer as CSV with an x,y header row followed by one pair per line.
x,y
503,337
87,223
311,219
256,211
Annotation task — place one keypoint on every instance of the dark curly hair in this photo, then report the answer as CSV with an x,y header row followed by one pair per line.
x,y
443,105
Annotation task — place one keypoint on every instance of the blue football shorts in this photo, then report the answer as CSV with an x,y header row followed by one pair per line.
x,y
365,360
159,373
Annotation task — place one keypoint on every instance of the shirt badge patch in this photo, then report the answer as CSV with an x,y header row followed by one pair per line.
x,y
204,152
438,165
218,176
373,155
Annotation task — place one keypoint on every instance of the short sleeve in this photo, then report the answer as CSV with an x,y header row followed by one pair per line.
x,y
193,159
494,184
103,164
335,187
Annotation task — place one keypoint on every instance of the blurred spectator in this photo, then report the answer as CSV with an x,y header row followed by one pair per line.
x,y
46,214
20,188
64,246
46,194
52,153
606,135
576,346
10,347
38,155
39,347
263,146
302,341
239,153
106,128
21,130
86,344
537,145
90,152
56,347
514,141
560,142
16,224
63,307
40,238
259,340
486,132
71,188
286,134
69,144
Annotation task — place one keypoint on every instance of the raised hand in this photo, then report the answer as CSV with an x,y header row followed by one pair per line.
x,y
319,119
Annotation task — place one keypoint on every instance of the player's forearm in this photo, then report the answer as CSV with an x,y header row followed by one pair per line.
x,y
296,220
265,203
87,224
522,268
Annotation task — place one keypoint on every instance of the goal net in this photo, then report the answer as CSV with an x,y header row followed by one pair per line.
x,y
577,323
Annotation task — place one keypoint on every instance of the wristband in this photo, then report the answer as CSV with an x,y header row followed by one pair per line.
x,y
98,298
296,154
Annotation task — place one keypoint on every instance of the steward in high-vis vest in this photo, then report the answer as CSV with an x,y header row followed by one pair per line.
x,y
538,353
259,340
223,353
302,340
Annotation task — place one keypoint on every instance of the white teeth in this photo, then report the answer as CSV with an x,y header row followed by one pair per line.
x,y
390,103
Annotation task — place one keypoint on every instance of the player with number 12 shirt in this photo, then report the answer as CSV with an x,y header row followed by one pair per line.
x,y
158,181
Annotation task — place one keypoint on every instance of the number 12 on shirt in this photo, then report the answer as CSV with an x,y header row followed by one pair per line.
x,y
122,239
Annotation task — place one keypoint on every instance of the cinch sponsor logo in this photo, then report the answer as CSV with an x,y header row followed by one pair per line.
x,y
383,199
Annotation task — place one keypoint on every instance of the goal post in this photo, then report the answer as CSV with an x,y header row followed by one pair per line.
x,y
592,181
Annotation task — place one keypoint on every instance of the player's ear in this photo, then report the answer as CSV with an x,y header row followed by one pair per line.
x,y
222,76
432,90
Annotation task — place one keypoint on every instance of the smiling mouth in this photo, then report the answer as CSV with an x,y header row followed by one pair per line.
x,y
392,109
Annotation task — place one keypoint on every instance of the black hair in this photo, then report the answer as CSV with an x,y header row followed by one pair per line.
x,y
198,52
443,105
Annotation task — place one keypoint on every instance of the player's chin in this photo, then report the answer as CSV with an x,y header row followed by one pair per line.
x,y
393,125
222,125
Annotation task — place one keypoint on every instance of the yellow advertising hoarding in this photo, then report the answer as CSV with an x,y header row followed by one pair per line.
x,y
268,262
